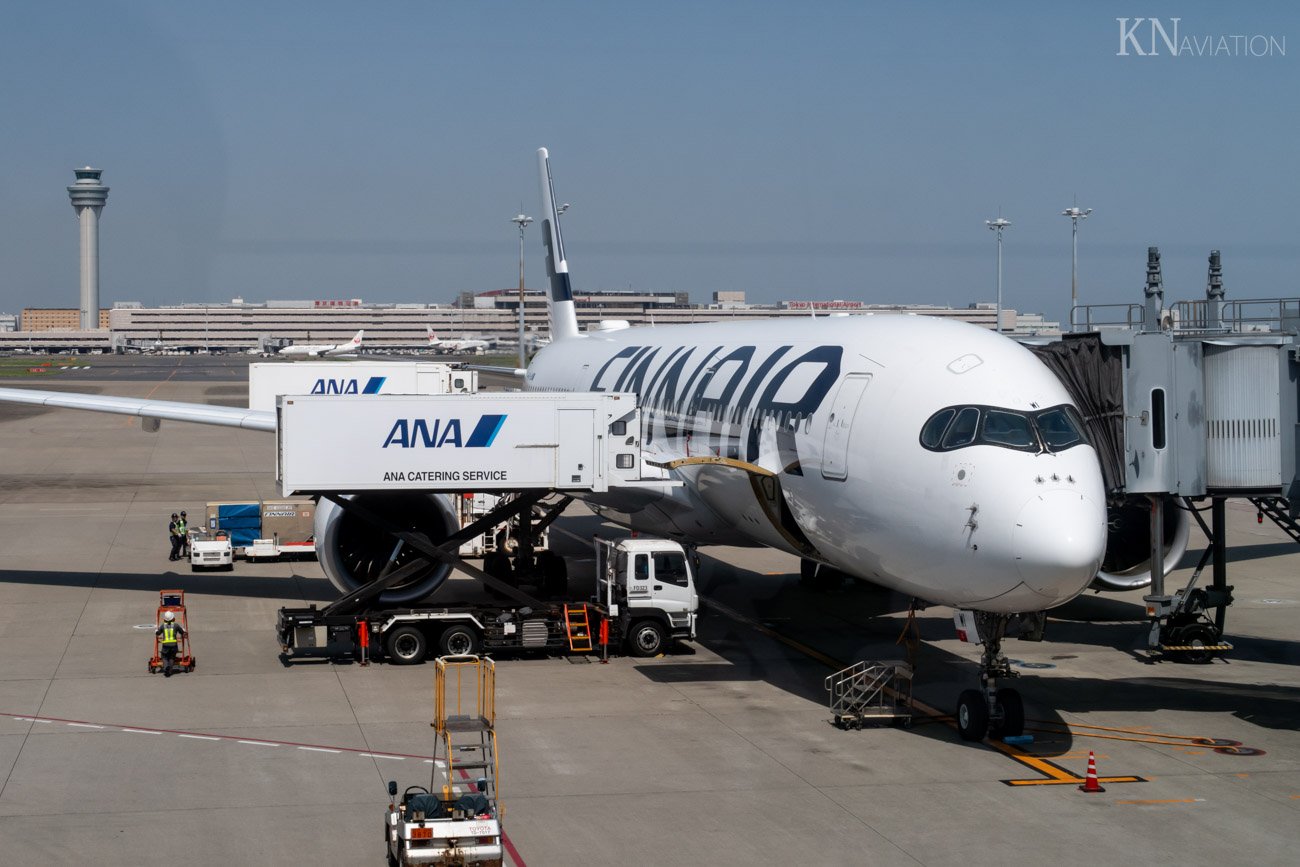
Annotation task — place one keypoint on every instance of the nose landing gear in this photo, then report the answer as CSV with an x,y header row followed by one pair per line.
x,y
990,709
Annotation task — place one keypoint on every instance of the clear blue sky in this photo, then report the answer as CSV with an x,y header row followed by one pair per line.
x,y
792,150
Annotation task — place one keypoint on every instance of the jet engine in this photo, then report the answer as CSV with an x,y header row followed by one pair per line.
x,y
1127,564
353,552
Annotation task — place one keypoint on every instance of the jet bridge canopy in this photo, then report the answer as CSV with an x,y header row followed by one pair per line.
x,y
1185,409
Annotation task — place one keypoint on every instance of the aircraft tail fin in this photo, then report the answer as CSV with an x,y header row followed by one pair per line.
x,y
356,340
564,319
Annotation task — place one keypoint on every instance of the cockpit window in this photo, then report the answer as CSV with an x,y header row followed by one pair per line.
x,y
962,431
1049,430
1010,429
932,433
1059,428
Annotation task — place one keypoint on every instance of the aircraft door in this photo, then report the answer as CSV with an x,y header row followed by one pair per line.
x,y
835,447
576,456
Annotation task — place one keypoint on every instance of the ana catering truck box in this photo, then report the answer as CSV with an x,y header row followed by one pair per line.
x,y
269,380
493,441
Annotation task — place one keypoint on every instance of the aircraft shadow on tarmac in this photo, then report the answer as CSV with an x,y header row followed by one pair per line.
x,y
290,587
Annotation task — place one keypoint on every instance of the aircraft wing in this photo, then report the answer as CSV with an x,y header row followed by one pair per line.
x,y
198,413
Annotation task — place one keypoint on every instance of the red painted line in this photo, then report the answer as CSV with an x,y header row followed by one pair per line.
x,y
505,838
230,738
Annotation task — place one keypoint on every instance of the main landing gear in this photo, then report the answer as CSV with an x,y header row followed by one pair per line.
x,y
990,710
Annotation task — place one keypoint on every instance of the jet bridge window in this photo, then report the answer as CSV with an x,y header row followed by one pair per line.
x,y
1050,430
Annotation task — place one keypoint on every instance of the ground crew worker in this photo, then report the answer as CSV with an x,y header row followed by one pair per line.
x,y
185,536
169,634
175,536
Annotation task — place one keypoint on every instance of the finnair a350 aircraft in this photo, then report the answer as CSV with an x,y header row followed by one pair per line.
x,y
321,350
935,458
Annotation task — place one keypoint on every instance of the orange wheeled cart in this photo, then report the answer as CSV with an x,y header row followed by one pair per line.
x,y
173,601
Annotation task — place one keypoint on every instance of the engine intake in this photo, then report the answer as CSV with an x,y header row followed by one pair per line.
x,y
353,552
1127,564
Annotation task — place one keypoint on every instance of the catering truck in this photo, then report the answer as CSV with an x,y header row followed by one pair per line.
x,y
645,599
269,380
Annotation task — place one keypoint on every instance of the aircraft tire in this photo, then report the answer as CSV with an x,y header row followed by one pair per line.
x,y
1013,713
972,715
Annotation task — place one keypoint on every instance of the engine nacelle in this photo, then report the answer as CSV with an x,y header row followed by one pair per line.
x,y
1127,564
353,552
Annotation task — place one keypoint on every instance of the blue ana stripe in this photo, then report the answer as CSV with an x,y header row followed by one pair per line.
x,y
374,384
485,431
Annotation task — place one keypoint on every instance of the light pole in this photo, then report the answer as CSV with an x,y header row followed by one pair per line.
x,y
1075,213
522,222
997,226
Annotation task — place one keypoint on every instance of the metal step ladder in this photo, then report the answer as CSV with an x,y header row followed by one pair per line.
x,y
1279,511
464,718
578,627
871,692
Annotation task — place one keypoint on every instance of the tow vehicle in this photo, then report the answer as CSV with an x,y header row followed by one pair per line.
x,y
454,823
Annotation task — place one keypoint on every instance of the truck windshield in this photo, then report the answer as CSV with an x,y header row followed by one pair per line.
x,y
670,568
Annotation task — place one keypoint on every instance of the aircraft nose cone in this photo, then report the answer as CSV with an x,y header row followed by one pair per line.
x,y
1059,539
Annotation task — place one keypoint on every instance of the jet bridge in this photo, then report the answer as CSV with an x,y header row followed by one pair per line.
x,y
1187,403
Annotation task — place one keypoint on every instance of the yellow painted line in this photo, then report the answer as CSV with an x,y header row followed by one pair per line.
x,y
1055,774
1072,781
1167,801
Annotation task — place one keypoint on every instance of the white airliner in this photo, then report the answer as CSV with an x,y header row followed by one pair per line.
x,y
320,350
932,457
464,344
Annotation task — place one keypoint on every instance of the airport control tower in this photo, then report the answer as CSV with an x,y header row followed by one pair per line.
x,y
88,197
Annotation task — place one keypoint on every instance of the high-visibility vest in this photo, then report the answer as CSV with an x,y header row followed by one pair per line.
x,y
169,633
182,526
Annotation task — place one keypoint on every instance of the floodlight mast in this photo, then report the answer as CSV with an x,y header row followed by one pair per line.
x,y
522,222
997,226
1075,213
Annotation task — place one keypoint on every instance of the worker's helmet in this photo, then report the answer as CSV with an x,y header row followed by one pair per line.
x,y
169,616
175,516
182,514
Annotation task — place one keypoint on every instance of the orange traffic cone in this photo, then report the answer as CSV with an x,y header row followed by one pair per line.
x,y
1090,783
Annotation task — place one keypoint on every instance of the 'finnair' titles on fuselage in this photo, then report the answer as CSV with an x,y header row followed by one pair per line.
x,y
926,455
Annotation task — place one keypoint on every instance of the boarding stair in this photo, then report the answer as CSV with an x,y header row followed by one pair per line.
x,y
1279,511
871,692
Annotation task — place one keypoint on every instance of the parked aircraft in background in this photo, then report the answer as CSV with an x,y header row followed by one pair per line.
x,y
302,350
468,345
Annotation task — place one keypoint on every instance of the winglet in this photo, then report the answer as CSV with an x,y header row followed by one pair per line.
x,y
564,319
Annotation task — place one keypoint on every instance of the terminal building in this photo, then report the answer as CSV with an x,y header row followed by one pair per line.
x,y
239,325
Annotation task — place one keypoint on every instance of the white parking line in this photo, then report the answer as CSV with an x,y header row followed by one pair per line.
x,y
141,732
257,743
380,756
320,750
85,726
199,737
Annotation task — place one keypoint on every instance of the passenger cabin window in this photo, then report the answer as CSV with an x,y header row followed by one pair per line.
x,y
1049,430
670,568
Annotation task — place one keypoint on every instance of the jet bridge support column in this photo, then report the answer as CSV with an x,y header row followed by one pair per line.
x,y
1219,540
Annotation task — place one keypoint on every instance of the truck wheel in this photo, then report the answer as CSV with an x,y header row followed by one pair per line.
x,y
458,641
406,645
647,638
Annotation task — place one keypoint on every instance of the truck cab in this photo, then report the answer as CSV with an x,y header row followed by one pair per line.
x,y
648,588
